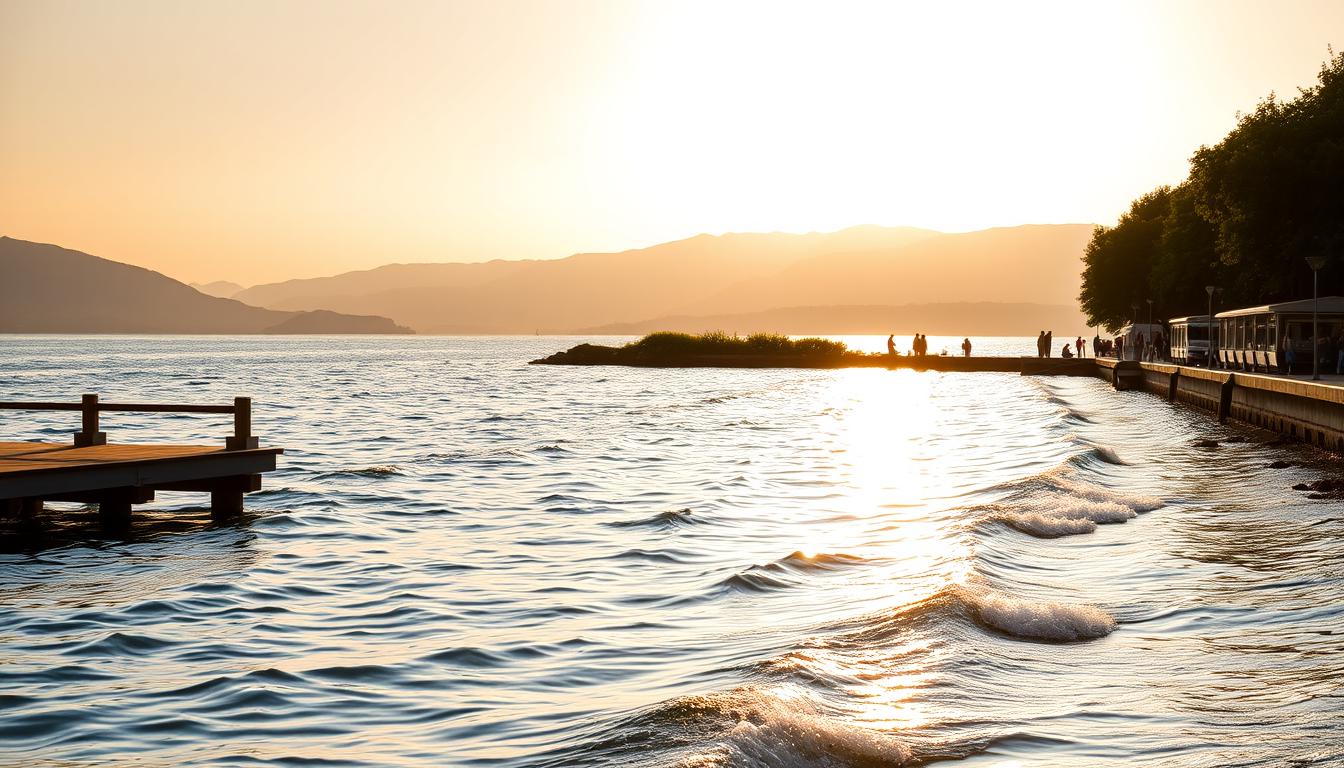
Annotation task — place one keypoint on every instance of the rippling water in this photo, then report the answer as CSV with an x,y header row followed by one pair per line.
x,y
465,560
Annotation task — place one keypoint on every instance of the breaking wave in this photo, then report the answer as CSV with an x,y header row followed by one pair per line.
x,y
762,728
1037,620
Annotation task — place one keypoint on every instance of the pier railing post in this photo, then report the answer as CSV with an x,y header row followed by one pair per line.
x,y
88,433
242,426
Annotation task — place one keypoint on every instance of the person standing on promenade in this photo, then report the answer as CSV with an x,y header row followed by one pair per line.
x,y
891,345
914,346
1079,345
966,347
1040,345
1049,340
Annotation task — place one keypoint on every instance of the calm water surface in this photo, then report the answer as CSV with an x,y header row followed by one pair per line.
x,y
465,560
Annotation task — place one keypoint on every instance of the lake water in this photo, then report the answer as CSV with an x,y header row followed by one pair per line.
x,y
468,561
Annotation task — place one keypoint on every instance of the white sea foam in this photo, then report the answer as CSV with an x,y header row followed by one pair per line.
x,y
1096,511
775,731
1101,494
1058,622
1049,526
1067,517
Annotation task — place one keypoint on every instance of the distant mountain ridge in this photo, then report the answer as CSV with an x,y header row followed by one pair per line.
x,y
707,275
220,288
49,289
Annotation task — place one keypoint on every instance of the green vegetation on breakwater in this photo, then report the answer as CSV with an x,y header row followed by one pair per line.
x,y
720,343
669,349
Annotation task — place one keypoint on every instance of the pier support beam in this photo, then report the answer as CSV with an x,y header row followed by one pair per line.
x,y
226,503
24,509
115,512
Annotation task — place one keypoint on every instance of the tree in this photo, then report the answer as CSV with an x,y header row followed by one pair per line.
x,y
1118,261
1254,205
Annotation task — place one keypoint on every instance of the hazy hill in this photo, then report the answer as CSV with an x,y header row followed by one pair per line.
x,y
958,318
561,294
48,289
707,275
314,292
221,288
1037,264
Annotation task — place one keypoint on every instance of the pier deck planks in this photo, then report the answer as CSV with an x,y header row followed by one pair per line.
x,y
36,470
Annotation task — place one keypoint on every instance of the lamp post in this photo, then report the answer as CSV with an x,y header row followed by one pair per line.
x,y
1134,320
1315,262
1152,342
1209,289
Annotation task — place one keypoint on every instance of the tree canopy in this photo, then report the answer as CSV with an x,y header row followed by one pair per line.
x,y
1253,207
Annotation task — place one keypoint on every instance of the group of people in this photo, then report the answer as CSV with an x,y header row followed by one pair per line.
x,y
919,346
1046,341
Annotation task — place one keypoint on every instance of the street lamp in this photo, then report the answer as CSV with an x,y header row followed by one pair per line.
x,y
1151,341
1209,289
1134,320
1315,262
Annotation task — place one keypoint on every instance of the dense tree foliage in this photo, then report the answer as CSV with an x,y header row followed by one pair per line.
x,y
1253,207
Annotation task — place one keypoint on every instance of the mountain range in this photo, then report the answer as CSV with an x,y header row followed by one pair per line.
x,y
48,289
704,280
866,279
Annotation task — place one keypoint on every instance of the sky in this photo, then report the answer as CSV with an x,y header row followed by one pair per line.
x,y
259,141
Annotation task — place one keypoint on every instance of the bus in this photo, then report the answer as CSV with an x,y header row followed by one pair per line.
x,y
1258,338
1190,339
1131,333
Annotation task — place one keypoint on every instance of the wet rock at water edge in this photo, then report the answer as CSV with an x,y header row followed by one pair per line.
x,y
1325,488
1282,464
1206,443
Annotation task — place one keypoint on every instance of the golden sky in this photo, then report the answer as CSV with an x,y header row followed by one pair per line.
x,y
255,141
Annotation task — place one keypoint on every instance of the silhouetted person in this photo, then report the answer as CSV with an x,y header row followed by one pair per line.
x,y
1064,351
1049,341
966,347
1040,345
1079,344
891,345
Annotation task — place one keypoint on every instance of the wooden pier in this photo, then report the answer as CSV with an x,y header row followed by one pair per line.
x,y
91,470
